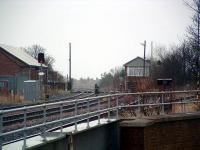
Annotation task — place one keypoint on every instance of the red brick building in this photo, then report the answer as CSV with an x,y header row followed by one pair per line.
x,y
16,67
136,80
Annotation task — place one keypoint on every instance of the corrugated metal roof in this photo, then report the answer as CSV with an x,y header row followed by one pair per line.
x,y
21,54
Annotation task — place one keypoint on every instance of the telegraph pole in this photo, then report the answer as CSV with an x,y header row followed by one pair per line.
x,y
151,61
70,81
151,51
144,44
198,48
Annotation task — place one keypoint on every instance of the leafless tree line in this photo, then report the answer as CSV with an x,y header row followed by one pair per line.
x,y
182,62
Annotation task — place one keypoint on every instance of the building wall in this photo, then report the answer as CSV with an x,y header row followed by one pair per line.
x,y
136,81
139,84
136,67
8,65
12,66
15,72
169,133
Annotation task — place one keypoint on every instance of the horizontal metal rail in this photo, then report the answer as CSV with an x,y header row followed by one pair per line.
x,y
75,111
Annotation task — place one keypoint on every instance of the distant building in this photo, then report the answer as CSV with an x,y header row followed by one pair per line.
x,y
135,67
135,80
16,67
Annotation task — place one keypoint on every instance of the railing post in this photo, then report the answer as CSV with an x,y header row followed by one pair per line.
x,y
61,116
162,105
1,129
109,98
139,107
24,131
98,111
44,121
75,114
183,104
88,111
117,106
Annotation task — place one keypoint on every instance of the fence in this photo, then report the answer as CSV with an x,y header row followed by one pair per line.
x,y
20,121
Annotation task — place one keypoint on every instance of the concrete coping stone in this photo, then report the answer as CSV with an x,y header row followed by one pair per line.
x,y
82,127
147,121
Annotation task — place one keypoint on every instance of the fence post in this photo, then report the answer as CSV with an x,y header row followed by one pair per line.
x,y
99,117
61,116
139,107
1,129
184,100
117,106
75,115
44,121
24,131
163,109
88,111
109,98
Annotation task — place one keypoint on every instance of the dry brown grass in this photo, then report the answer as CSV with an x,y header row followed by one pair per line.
x,y
55,92
13,99
178,108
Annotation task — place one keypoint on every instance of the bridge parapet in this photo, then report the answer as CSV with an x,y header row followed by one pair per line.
x,y
168,132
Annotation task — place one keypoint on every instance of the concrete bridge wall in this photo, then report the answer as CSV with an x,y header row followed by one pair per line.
x,y
101,137
175,132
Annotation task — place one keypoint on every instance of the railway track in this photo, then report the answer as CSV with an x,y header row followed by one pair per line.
x,y
35,116
18,117
11,119
56,98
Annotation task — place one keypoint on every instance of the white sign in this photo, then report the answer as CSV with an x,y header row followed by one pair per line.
x,y
41,73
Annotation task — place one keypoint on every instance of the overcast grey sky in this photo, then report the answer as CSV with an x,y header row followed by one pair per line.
x,y
104,33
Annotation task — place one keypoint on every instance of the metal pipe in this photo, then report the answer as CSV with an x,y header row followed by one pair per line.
x,y
24,137
44,121
61,116
98,110
88,112
95,114
95,98
75,116
109,108
117,105
184,111
163,109
139,108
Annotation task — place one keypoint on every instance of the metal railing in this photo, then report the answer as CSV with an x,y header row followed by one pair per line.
x,y
63,113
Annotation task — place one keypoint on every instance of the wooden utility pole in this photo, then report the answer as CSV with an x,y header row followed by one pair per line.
x,y
198,47
70,81
144,44
151,60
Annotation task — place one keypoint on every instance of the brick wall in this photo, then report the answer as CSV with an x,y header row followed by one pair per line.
x,y
8,65
139,84
131,138
11,66
175,134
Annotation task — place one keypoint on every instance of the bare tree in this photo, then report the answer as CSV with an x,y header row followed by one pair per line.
x,y
113,79
34,50
193,45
